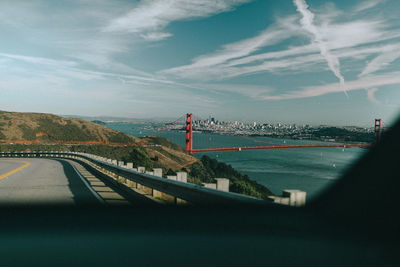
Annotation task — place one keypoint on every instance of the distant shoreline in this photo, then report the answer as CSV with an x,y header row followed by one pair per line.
x,y
276,137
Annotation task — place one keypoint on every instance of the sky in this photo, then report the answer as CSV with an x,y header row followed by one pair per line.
x,y
290,61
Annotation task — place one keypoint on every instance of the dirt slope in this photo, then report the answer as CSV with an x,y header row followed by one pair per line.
x,y
50,128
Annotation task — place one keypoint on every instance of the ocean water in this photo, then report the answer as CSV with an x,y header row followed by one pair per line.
x,y
309,169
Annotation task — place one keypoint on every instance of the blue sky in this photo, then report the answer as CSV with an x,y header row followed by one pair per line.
x,y
310,61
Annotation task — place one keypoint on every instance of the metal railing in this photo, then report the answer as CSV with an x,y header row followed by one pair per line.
x,y
191,193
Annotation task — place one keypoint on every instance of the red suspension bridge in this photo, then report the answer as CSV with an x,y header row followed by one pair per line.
x,y
191,150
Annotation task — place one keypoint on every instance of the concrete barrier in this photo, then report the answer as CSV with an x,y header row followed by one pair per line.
x,y
181,177
210,185
291,197
157,172
222,184
297,198
279,200
171,177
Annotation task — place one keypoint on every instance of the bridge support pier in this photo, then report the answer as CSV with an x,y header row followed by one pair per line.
x,y
189,133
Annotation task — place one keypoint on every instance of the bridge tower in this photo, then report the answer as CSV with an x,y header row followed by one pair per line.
x,y
377,130
189,132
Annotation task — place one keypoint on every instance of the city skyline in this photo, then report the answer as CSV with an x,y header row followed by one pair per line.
x,y
298,61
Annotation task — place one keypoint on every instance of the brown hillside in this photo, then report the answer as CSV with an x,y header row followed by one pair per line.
x,y
50,128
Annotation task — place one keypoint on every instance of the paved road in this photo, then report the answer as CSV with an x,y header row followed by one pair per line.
x,y
42,181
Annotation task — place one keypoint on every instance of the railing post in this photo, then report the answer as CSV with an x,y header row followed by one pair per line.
x,y
181,177
129,165
296,198
157,172
141,170
222,184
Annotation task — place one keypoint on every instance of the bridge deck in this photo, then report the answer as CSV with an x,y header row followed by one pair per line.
x,y
203,150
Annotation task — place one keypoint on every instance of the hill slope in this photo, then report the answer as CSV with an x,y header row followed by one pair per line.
x,y
44,132
50,128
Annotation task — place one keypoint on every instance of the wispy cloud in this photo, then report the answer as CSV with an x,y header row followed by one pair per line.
x,y
155,36
262,93
40,60
72,32
388,54
351,39
99,50
308,24
367,5
371,95
45,67
150,17
255,92
216,62
367,82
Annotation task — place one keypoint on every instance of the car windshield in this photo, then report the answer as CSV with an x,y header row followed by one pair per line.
x,y
191,102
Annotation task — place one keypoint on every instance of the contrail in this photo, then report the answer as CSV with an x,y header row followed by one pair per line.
x,y
308,25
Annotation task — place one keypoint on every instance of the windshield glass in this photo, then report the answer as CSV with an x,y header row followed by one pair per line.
x,y
248,97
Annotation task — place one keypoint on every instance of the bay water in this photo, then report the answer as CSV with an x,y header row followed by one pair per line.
x,y
308,169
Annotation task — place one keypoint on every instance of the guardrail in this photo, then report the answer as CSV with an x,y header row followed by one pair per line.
x,y
191,193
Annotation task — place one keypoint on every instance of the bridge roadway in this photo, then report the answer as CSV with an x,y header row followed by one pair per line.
x,y
204,150
30,181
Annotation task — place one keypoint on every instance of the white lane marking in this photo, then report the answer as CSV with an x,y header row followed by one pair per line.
x,y
99,198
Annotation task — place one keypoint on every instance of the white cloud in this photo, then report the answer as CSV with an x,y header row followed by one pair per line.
x,y
364,5
388,55
355,32
45,68
292,51
40,60
354,39
295,59
216,62
308,24
150,17
371,95
87,53
252,91
155,36
310,62
366,82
